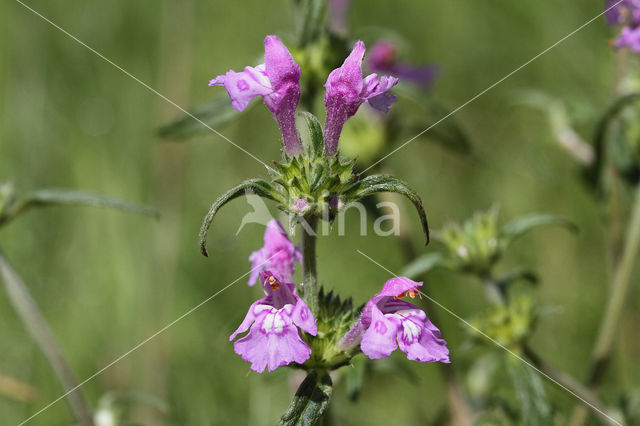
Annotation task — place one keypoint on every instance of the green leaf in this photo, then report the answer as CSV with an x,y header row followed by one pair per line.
x,y
422,265
215,113
52,197
256,186
534,404
315,134
602,131
310,401
36,325
379,183
520,226
312,12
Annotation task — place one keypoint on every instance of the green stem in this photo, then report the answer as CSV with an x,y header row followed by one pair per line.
x,y
309,271
37,326
615,306
619,290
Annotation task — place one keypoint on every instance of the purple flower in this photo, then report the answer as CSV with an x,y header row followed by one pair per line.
x,y
278,254
346,90
274,340
626,12
388,322
383,58
277,81
630,37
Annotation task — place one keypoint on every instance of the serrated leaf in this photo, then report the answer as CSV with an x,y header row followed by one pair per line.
x,y
310,402
315,134
215,113
520,226
52,197
256,186
422,265
380,183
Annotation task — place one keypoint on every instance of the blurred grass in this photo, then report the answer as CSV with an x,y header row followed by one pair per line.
x,y
107,280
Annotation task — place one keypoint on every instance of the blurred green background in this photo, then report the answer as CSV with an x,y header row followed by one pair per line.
x,y
107,280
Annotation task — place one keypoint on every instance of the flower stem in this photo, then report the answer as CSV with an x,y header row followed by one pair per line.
x,y
37,326
309,271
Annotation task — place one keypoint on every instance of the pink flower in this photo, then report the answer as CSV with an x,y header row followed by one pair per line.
x,y
388,323
278,255
346,90
277,81
274,339
383,58
630,37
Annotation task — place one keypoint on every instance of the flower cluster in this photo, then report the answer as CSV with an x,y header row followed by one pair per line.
x,y
275,322
388,323
277,82
627,14
281,328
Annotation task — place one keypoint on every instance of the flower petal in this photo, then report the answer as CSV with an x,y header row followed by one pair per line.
x,y
303,318
272,350
254,313
382,102
397,286
428,348
244,86
279,64
379,341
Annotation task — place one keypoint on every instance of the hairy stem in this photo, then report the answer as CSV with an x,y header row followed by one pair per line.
x,y
309,271
37,326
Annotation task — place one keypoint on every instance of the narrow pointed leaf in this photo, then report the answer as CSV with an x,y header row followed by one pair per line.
x,y
521,226
312,12
39,330
215,113
53,197
422,265
316,140
379,183
310,401
255,186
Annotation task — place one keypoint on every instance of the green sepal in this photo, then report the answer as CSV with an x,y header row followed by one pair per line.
x,y
314,127
310,402
259,187
522,225
17,205
380,183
